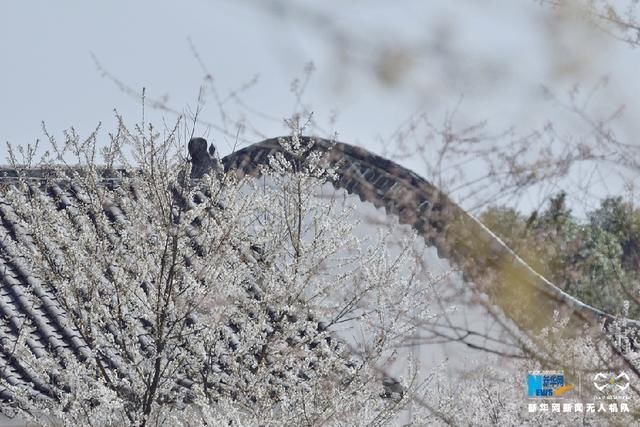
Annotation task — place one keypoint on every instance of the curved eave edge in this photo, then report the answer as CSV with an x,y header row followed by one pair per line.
x,y
418,203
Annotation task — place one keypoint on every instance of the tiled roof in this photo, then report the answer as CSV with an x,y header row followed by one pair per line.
x,y
457,235
52,332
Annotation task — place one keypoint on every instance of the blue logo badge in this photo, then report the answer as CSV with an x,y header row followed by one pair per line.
x,y
546,384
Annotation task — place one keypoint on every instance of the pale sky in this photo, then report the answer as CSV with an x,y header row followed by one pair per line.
x,y
491,57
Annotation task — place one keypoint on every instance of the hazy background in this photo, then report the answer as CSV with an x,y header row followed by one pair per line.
x,y
378,66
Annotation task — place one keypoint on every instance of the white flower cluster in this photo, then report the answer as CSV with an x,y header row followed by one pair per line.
x,y
209,302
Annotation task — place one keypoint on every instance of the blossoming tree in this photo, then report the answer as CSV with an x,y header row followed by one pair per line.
x,y
198,301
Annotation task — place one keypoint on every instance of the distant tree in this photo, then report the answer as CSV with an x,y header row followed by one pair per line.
x,y
596,260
